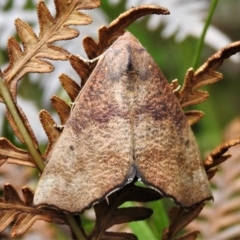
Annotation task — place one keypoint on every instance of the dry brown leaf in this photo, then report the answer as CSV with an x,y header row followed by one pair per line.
x,y
22,213
37,49
11,154
206,74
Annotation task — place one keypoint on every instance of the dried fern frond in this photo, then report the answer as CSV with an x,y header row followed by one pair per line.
x,y
108,212
38,48
219,155
189,94
22,212
116,28
11,154
221,219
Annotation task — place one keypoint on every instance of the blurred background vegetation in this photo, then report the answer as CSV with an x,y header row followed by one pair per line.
x,y
172,43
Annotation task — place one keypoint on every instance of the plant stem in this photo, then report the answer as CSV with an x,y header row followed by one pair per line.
x,y
74,227
200,42
11,105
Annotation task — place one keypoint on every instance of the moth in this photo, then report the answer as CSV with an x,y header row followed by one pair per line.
x,y
126,123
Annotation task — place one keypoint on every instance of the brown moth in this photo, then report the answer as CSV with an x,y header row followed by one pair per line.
x,y
126,123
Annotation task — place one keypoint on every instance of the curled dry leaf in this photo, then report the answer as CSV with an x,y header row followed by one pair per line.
x,y
221,220
108,212
22,212
206,74
37,49
11,154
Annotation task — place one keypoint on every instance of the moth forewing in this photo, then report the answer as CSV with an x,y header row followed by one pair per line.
x,y
126,122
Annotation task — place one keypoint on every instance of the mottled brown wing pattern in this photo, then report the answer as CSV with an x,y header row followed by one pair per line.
x,y
93,155
165,150
126,120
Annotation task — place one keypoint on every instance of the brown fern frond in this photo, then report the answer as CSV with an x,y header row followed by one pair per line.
x,y
116,28
22,212
108,212
11,154
218,155
36,49
206,74
221,219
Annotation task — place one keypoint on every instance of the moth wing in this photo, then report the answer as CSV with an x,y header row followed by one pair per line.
x,y
93,155
165,151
